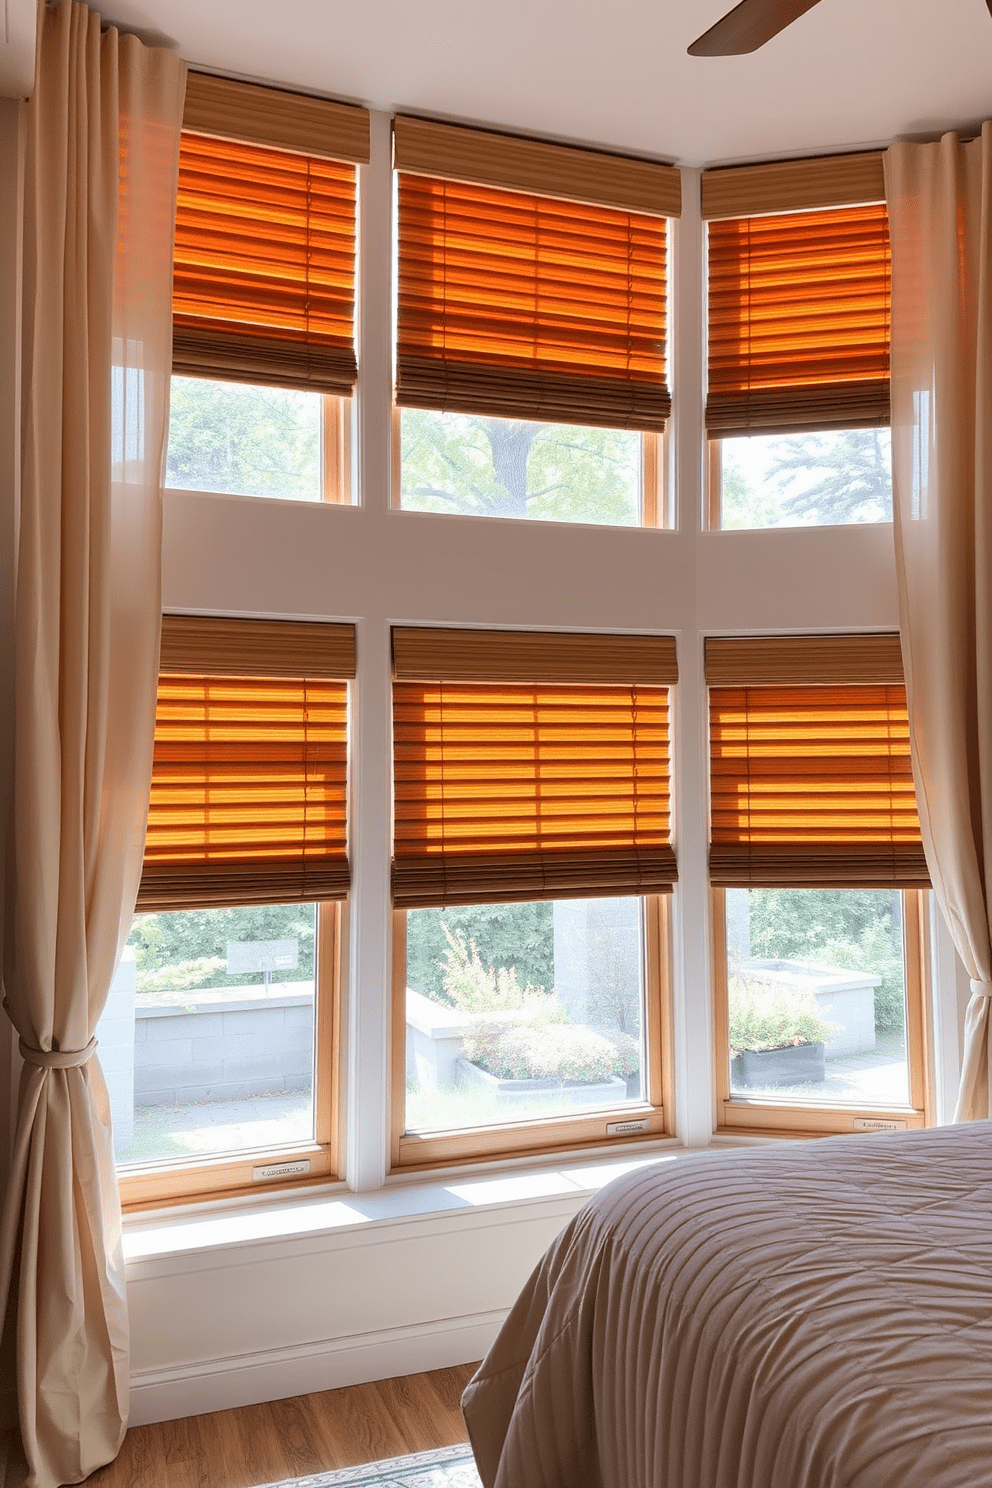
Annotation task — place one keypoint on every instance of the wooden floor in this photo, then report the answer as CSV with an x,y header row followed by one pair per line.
x,y
290,1438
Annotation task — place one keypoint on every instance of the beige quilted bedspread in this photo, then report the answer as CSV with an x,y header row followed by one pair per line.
x,y
809,1315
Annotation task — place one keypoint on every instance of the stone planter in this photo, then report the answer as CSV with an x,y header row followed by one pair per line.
x,y
795,1064
609,1092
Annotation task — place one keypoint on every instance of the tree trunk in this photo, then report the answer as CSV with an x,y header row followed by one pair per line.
x,y
510,441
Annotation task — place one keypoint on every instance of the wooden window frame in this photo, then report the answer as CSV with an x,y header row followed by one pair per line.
x,y
336,442
162,1183
416,1151
737,1115
654,497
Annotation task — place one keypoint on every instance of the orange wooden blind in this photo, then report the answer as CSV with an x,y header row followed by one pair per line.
x,y
798,321
249,792
263,287
812,787
516,791
515,305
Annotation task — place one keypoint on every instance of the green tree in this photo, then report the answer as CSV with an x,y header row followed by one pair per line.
x,y
252,441
852,470
517,935
859,929
180,947
514,468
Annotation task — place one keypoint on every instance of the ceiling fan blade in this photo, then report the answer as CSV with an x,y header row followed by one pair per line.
x,y
749,25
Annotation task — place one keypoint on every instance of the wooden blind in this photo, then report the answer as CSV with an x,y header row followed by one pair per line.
x,y
802,659
799,321
812,787
422,653
794,185
516,305
249,778
424,147
264,266
508,792
271,116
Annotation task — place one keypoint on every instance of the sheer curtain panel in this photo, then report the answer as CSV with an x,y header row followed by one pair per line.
x,y
103,135
940,201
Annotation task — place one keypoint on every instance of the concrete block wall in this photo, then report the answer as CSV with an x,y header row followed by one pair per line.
x,y
223,1044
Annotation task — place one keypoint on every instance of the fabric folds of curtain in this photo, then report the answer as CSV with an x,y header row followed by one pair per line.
x,y
940,219
102,149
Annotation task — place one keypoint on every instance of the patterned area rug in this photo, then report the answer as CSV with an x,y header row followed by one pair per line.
x,y
448,1467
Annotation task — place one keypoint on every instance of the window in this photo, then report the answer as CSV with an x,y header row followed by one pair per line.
x,y
798,396
532,850
819,877
530,364
264,292
232,982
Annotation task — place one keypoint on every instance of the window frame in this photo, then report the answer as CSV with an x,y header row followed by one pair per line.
x,y
737,1115
161,1183
416,1151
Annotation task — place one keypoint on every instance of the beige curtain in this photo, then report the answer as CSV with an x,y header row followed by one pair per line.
x,y
940,213
103,130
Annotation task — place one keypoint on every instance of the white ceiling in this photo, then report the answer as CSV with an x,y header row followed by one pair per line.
x,y
609,72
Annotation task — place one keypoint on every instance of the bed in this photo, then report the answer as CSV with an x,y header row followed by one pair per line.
x,y
808,1315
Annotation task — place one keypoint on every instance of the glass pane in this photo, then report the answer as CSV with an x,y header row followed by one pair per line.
x,y
207,1038
488,467
245,440
522,1010
817,994
807,480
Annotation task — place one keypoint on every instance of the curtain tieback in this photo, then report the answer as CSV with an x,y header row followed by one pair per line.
x,y
56,1058
980,989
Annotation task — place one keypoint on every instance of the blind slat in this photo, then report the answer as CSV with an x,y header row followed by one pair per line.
x,y
263,279
523,306
798,322
422,653
812,787
515,791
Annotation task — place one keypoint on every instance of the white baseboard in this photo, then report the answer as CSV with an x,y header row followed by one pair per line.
x,y
274,1374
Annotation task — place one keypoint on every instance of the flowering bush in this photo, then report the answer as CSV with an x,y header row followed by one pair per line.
x,y
542,1051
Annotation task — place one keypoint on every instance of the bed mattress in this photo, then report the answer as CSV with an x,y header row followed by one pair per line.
x,y
808,1315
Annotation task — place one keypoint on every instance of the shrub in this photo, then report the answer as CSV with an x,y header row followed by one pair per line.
x,y
474,988
536,1051
181,976
764,1017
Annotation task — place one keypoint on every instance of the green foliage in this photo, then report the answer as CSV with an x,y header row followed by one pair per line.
x,y
253,441
854,476
475,988
515,468
168,946
817,479
542,1051
773,1017
860,929
185,974
518,935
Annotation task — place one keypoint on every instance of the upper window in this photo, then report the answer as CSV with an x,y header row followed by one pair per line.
x,y
264,291
531,327
798,397
224,1009
532,848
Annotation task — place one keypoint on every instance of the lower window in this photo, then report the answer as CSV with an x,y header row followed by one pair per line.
x,y
217,1045
820,1008
527,1026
